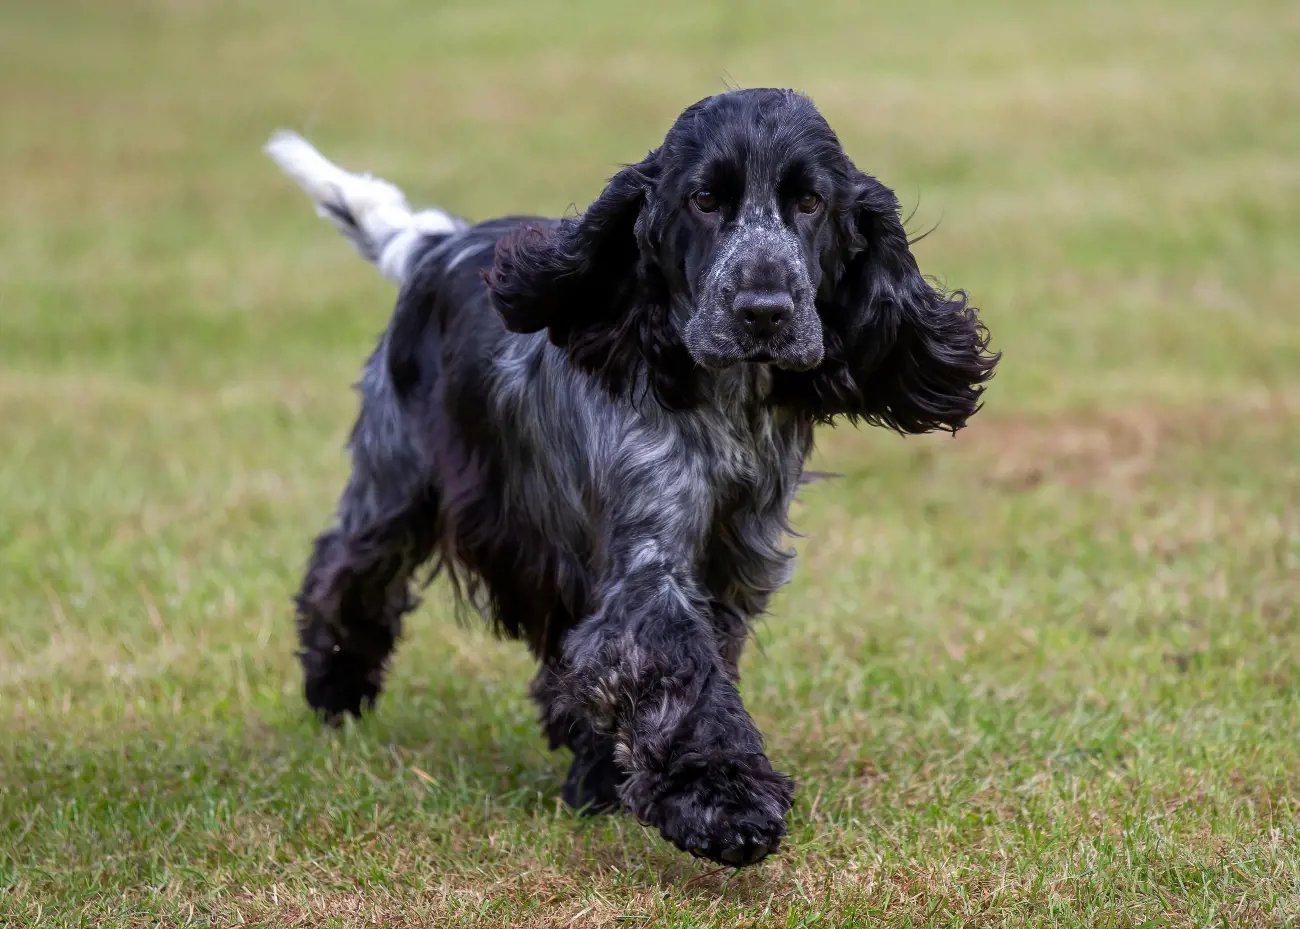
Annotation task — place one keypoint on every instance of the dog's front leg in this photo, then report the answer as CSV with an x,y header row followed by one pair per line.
x,y
645,671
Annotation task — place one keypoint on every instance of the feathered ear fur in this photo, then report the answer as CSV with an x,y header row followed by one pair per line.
x,y
591,282
899,352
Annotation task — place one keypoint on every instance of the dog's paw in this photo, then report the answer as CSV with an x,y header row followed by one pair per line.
x,y
344,686
731,812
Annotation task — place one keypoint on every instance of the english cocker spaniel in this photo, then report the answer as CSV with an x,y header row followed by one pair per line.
x,y
596,426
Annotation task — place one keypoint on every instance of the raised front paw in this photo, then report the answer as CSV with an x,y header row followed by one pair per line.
x,y
731,811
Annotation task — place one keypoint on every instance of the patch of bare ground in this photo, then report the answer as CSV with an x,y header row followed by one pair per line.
x,y
1090,447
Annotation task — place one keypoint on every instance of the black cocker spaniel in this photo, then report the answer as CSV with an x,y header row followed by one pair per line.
x,y
596,426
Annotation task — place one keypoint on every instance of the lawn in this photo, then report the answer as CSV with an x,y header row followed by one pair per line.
x,y
1046,673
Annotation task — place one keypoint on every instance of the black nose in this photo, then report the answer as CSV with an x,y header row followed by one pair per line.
x,y
763,313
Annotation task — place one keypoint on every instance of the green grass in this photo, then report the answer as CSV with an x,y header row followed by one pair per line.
x,y
1044,674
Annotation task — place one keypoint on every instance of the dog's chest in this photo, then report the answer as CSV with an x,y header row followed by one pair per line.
x,y
754,460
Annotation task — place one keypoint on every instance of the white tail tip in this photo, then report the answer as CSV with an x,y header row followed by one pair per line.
x,y
369,211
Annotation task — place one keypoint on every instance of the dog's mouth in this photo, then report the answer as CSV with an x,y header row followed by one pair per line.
x,y
795,356
760,357
792,358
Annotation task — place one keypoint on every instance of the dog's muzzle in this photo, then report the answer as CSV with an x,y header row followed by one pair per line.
x,y
756,303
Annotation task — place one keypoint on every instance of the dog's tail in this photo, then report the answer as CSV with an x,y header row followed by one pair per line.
x,y
371,212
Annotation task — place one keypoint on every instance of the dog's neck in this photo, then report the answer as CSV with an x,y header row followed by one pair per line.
x,y
739,392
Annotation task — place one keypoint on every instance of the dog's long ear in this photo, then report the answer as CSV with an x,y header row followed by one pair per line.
x,y
580,274
917,356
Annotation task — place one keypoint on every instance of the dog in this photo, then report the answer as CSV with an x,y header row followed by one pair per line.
x,y
596,426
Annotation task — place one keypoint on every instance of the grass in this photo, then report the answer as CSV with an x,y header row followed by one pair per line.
x,y
1042,674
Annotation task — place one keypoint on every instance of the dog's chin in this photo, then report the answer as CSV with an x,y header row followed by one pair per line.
x,y
718,358
799,361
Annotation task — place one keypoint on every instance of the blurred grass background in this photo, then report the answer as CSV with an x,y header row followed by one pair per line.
x,y
1041,674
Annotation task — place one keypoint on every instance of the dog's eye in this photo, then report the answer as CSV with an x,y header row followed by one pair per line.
x,y
809,203
706,201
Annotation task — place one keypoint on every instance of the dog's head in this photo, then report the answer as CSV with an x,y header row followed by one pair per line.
x,y
750,237
743,222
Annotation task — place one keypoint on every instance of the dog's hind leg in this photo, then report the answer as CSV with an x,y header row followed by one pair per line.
x,y
353,597
358,584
